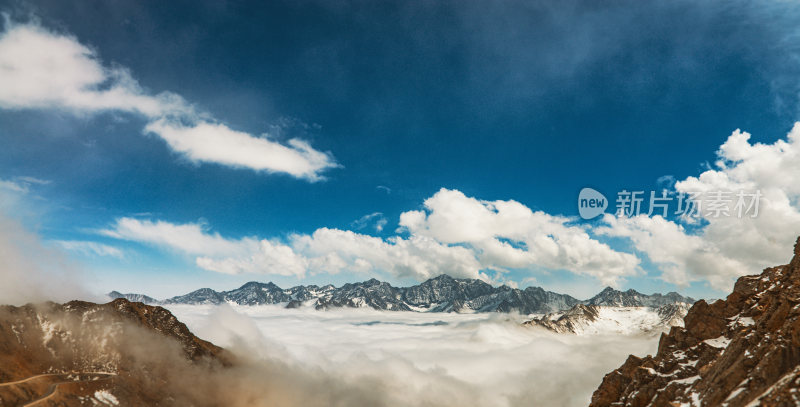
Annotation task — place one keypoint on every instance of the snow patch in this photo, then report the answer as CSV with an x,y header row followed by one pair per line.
x,y
721,342
104,397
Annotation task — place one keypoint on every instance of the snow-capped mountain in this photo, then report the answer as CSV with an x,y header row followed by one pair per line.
x,y
133,297
613,298
594,319
440,294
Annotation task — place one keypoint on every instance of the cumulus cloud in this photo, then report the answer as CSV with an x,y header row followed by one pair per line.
x,y
724,247
418,257
456,235
326,250
508,234
682,257
41,69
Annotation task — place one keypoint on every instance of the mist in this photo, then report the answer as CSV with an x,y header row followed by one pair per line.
x,y
413,359
33,272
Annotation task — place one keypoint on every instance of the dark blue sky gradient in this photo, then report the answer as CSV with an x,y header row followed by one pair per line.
x,y
519,100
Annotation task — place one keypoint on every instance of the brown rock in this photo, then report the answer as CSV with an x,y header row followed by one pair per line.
x,y
743,350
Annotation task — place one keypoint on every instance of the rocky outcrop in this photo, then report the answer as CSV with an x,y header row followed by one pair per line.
x,y
742,351
82,353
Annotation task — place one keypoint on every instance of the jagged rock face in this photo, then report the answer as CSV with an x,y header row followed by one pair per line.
x,y
593,319
201,296
613,298
738,352
371,293
568,322
90,351
254,293
446,289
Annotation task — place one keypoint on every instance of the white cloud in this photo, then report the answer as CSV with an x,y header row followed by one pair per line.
x,y
217,143
459,236
427,359
12,186
269,257
40,69
507,234
325,251
334,251
726,247
682,257
188,238
90,248
376,219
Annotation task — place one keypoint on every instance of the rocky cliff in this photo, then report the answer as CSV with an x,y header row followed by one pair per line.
x,y
743,351
81,353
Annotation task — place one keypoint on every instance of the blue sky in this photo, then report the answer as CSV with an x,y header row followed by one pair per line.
x,y
523,101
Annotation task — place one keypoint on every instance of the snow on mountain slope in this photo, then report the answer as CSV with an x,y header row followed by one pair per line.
x,y
594,320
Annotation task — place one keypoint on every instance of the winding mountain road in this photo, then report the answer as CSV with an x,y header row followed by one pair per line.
x,y
66,378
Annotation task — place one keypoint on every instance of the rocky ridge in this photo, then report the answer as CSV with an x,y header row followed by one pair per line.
x,y
81,353
741,351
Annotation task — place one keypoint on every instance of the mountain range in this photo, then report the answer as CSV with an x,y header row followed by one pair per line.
x,y
439,294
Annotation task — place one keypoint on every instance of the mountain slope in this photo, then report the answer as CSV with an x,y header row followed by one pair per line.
x,y
594,319
82,353
742,351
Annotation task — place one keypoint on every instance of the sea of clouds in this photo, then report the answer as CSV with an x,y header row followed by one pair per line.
x,y
415,359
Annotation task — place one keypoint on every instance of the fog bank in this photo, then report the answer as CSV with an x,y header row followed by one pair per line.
x,y
412,359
